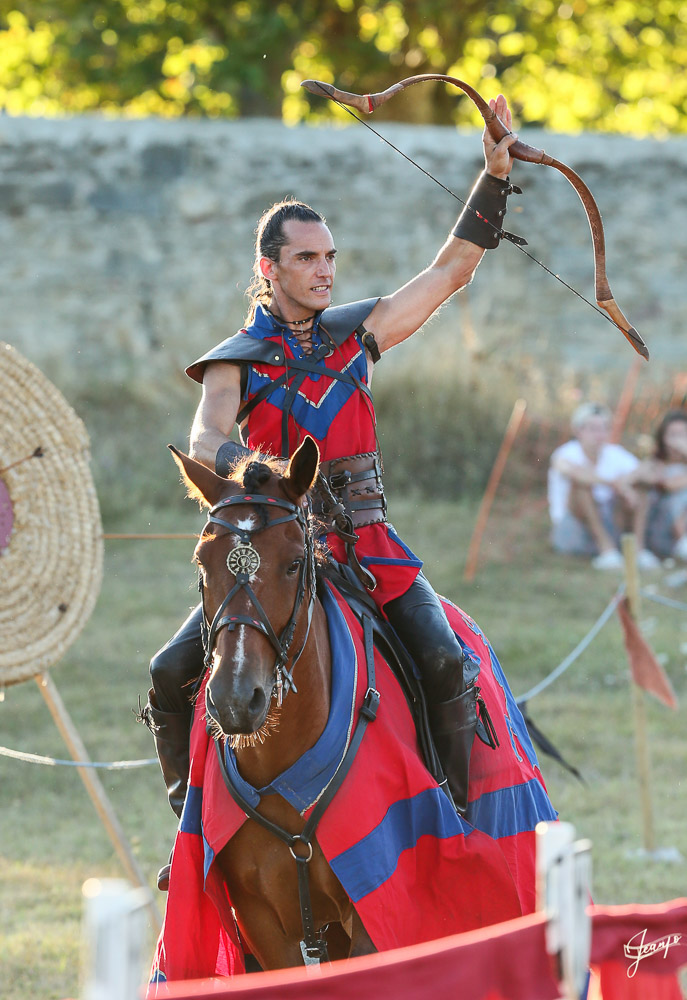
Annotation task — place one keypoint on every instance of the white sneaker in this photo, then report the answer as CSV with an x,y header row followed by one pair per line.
x,y
680,549
647,560
611,559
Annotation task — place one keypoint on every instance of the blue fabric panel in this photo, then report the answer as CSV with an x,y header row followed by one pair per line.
x,y
314,417
250,794
515,719
302,783
208,858
368,864
190,821
399,541
385,561
509,811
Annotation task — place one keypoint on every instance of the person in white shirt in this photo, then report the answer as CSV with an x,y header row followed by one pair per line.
x,y
591,498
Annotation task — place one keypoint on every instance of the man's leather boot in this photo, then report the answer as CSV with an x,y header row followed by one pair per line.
x,y
171,733
454,724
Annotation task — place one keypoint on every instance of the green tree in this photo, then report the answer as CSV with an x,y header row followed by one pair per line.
x,y
571,65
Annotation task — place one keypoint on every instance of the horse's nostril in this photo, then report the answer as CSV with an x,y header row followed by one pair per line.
x,y
257,702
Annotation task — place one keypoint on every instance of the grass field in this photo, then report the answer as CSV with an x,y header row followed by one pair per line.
x,y
533,606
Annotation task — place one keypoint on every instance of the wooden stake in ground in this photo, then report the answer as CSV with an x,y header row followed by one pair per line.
x,y
629,547
622,410
95,789
490,492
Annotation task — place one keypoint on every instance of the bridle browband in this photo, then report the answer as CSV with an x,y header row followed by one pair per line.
x,y
281,644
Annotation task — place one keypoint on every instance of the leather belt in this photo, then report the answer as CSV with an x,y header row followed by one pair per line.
x,y
356,480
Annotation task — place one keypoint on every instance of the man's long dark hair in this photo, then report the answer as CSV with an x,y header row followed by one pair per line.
x,y
269,239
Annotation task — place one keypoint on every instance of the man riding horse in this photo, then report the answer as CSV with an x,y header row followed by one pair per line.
x,y
301,366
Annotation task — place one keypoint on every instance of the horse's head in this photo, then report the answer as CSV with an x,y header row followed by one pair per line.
x,y
256,563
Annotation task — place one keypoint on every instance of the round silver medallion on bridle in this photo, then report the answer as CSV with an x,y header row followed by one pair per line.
x,y
243,559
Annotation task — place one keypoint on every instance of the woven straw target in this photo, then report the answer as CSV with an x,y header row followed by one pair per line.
x,y
51,548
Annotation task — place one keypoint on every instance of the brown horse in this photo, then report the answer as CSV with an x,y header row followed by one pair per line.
x,y
428,873
272,547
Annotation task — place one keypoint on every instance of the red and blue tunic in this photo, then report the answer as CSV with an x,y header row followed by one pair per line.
x,y
339,415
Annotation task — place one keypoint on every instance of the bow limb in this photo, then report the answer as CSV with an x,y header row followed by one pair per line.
x,y
602,290
520,151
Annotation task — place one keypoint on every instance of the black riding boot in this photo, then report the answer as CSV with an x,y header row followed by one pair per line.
x,y
453,725
448,680
174,672
171,734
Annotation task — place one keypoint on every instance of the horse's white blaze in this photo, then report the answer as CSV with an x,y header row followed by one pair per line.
x,y
240,648
245,524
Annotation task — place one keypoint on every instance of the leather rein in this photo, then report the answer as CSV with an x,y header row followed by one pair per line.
x,y
244,566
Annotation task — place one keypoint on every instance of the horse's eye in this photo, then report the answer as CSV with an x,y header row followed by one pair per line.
x,y
294,567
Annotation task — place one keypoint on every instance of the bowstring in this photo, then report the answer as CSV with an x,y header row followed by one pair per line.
x,y
453,194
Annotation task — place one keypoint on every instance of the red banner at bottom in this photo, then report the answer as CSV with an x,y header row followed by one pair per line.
x,y
636,953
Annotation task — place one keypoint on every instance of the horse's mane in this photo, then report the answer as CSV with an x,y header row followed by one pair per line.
x,y
255,469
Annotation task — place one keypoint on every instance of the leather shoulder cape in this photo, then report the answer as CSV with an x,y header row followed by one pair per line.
x,y
338,321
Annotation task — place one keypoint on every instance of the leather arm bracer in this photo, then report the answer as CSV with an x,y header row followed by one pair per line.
x,y
481,221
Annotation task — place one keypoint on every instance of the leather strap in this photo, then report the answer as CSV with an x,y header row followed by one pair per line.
x,y
364,504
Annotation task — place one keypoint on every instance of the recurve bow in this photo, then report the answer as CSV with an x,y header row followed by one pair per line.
x,y
520,151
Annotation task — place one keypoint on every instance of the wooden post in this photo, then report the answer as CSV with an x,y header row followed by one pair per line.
x,y
622,410
492,485
95,789
629,547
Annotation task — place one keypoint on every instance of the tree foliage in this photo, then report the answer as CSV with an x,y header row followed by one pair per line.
x,y
564,64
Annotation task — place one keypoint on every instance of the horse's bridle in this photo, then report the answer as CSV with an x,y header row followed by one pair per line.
x,y
281,644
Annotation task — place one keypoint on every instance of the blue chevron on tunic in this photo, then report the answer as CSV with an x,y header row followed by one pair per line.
x,y
314,415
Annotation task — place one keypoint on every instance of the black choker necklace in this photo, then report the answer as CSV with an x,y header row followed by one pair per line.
x,y
291,322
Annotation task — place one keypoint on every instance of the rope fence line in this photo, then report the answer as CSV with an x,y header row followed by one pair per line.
x,y
583,644
113,765
153,535
660,599
578,650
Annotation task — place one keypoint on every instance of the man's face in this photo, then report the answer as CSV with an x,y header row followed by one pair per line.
x,y
302,279
594,433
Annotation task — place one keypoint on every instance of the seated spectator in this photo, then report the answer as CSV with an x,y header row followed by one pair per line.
x,y
662,485
591,499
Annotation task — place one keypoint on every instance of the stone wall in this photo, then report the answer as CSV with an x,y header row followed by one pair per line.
x,y
127,244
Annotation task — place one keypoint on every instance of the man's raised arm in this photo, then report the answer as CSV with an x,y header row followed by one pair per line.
x,y
397,316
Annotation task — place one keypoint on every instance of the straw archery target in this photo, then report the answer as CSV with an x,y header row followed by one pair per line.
x,y
51,548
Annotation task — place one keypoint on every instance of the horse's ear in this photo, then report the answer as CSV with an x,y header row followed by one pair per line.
x,y
202,483
302,470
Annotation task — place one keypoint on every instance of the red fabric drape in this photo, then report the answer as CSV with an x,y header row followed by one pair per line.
x,y
647,672
638,950
504,962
